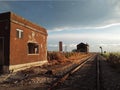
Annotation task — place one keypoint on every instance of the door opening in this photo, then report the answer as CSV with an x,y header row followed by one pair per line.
x,y
1,54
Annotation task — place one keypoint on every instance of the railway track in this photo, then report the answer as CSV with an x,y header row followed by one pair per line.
x,y
94,73
98,86
84,76
93,62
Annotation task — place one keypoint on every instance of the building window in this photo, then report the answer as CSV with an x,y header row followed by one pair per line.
x,y
19,33
33,48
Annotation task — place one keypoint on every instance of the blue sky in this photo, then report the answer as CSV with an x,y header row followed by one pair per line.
x,y
96,22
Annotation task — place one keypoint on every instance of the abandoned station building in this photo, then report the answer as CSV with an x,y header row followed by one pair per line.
x,y
83,48
22,43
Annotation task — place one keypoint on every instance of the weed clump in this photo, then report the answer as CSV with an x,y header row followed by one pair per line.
x,y
114,60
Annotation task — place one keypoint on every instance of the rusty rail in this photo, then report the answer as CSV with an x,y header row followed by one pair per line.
x,y
98,72
64,77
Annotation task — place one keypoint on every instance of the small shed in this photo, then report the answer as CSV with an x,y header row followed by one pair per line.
x,y
83,47
22,43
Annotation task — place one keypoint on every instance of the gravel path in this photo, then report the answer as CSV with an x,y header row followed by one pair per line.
x,y
110,78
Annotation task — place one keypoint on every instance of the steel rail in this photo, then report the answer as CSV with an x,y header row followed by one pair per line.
x,y
98,72
64,77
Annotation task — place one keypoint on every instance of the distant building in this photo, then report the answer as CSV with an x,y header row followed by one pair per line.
x,y
83,47
22,43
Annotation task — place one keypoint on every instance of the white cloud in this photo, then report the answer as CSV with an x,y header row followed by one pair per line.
x,y
110,44
66,47
109,47
72,45
88,36
52,45
110,41
68,28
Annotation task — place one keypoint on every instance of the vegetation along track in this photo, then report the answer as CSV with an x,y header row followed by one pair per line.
x,y
86,76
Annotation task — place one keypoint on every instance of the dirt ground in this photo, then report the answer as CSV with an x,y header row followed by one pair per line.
x,y
40,76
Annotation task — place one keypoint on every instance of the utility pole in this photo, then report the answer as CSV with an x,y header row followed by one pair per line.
x,y
101,50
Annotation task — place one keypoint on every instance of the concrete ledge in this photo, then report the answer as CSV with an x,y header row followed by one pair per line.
x,y
15,68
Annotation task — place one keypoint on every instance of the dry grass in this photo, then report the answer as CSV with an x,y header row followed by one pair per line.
x,y
114,59
58,57
77,56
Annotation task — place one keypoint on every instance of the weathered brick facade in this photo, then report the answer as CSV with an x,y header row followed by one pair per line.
x,y
24,42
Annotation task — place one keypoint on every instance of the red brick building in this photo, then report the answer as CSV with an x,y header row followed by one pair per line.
x,y
22,43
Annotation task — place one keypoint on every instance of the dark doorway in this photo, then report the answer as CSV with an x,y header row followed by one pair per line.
x,y
1,54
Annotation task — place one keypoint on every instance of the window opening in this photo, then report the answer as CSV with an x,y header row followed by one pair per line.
x,y
33,48
19,33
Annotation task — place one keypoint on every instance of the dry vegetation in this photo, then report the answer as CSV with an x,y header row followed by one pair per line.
x,y
62,57
113,59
